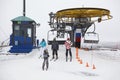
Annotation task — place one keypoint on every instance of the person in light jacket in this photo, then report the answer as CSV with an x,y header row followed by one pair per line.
x,y
42,47
68,45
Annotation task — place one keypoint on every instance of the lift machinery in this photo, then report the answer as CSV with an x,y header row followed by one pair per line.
x,y
75,22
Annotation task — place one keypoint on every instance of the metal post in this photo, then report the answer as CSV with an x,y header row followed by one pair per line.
x,y
92,53
24,12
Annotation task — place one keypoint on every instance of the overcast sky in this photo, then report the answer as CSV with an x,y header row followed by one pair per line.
x,y
38,10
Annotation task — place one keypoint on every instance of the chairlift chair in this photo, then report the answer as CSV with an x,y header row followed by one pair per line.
x,y
60,37
91,37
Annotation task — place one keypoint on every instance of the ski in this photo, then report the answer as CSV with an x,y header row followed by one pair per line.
x,y
55,59
40,57
51,59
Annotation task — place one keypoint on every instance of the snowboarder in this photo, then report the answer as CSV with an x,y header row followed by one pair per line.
x,y
68,45
45,57
42,47
55,48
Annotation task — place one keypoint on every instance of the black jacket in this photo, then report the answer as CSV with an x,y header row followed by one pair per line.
x,y
55,45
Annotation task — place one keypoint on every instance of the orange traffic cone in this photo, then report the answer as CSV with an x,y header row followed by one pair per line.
x,y
94,67
76,51
81,61
78,58
87,64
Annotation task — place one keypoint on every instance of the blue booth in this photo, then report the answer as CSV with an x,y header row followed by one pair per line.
x,y
23,37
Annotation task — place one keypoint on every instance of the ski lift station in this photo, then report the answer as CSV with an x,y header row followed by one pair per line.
x,y
70,23
74,23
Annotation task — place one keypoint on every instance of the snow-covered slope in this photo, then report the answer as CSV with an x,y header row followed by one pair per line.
x,y
28,67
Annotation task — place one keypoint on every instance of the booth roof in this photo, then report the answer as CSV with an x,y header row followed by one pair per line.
x,y
22,18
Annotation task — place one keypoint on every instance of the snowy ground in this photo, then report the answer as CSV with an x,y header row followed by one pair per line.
x,y
28,67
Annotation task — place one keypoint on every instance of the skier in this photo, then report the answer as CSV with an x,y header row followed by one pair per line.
x,y
55,48
42,47
45,62
68,45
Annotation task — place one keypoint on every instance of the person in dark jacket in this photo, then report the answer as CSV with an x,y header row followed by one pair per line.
x,y
37,43
55,48
45,57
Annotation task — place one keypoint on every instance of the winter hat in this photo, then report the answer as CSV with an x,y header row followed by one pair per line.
x,y
46,50
68,38
54,39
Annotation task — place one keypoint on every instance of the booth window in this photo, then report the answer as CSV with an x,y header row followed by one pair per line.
x,y
29,32
16,30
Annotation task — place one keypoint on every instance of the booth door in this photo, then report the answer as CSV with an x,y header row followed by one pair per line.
x,y
26,36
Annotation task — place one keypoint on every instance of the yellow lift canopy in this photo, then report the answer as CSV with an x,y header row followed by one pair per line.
x,y
83,12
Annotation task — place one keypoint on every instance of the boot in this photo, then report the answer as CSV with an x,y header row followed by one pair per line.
x,y
43,65
70,58
57,57
66,59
